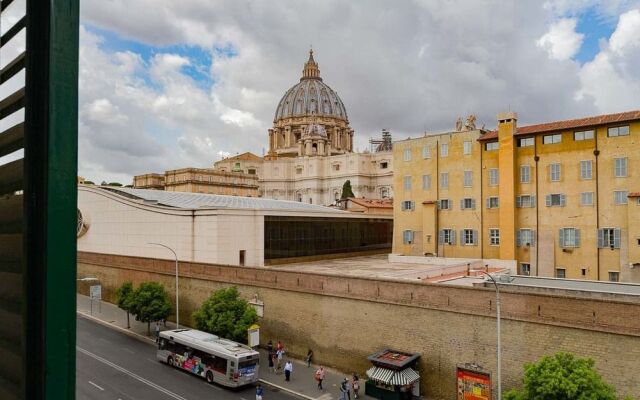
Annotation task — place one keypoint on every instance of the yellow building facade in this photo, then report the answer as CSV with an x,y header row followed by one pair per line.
x,y
200,180
561,198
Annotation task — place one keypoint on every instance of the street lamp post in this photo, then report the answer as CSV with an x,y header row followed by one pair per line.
x,y
499,358
177,292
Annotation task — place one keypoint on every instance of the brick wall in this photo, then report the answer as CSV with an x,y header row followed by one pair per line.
x,y
344,319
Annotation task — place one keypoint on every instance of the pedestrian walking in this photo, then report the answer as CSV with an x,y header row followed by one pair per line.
x,y
343,389
270,347
355,384
259,392
288,369
279,357
157,331
272,357
319,377
309,357
279,346
347,385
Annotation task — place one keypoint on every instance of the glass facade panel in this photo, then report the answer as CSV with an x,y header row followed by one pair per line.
x,y
286,237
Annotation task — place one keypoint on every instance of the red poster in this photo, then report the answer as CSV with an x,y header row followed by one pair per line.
x,y
473,385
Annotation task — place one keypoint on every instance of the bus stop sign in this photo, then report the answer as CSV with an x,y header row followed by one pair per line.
x,y
95,292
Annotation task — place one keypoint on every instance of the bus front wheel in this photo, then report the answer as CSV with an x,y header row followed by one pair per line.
x,y
209,377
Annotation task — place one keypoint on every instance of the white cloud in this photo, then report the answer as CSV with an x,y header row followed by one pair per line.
x,y
562,42
612,78
412,67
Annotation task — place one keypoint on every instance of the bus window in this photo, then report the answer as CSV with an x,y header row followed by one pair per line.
x,y
219,364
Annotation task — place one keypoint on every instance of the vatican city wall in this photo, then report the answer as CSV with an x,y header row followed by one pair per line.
x,y
343,319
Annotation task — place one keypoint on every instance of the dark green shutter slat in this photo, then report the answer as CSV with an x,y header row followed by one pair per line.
x,y
12,103
12,68
12,139
11,177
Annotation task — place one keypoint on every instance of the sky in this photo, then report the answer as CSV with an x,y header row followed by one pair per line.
x,y
174,84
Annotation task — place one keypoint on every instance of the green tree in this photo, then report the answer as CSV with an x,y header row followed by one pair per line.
x,y
124,298
150,302
346,190
564,377
89,183
115,184
225,314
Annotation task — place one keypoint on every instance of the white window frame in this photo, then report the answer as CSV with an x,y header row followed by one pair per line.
x,y
491,146
407,236
466,147
426,152
555,172
447,235
444,180
620,197
611,237
552,139
444,150
467,203
586,170
468,178
521,240
493,202
560,202
407,154
530,201
448,204
614,131
525,174
620,167
408,205
426,182
584,196
494,237
525,270
469,237
526,142
583,135
406,182
569,238
494,177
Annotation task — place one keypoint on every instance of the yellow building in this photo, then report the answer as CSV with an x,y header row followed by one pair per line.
x,y
561,198
200,180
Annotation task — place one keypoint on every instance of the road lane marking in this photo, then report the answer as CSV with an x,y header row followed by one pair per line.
x,y
131,374
101,388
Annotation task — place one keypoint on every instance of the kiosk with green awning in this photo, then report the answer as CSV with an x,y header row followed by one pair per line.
x,y
393,375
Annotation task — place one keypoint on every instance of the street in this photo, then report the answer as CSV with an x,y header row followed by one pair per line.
x,y
112,365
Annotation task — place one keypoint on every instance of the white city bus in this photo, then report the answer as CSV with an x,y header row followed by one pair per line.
x,y
209,356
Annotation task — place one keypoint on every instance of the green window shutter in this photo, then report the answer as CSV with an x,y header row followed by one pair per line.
x,y
577,237
548,200
616,238
453,236
561,237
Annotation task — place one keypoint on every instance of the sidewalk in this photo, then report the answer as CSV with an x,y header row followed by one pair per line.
x,y
302,384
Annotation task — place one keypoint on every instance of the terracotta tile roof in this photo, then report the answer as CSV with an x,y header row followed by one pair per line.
x,y
570,124
373,203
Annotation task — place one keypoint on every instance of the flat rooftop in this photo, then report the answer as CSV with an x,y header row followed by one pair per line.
x,y
379,266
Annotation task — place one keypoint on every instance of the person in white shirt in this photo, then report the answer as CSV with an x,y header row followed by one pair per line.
x,y
288,369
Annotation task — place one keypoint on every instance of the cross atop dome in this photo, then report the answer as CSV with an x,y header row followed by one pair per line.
x,y
311,70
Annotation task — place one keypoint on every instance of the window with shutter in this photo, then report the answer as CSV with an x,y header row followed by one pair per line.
x,y
561,237
616,238
601,238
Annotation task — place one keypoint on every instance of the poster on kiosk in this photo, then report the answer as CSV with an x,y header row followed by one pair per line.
x,y
473,383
